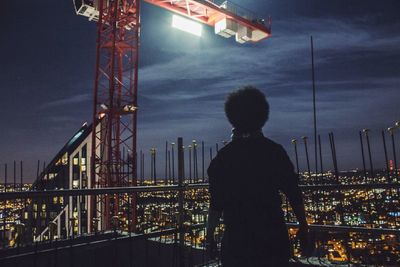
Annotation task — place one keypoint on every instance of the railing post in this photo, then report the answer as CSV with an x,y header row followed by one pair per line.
x,y
52,230
20,227
181,171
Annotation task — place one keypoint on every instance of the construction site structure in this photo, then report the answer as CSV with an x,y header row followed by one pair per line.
x,y
113,157
69,169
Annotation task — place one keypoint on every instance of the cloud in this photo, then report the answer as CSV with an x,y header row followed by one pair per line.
x,y
286,54
185,94
194,84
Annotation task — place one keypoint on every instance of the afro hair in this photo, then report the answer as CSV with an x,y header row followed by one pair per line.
x,y
247,109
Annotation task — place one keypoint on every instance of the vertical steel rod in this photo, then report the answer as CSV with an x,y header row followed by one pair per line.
x,y
5,177
5,215
314,107
335,157
190,163
194,160
202,161
15,175
173,161
140,167
296,154
307,157
391,131
332,153
363,156
366,131
181,170
169,166
320,157
22,175
321,180
196,163
152,167
38,170
155,166
386,157
166,163
143,168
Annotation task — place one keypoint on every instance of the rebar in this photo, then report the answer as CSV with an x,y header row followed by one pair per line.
x,y
294,142
391,132
363,156
307,157
366,132
386,157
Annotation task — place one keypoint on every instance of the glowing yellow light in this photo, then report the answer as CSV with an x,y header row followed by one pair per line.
x,y
186,25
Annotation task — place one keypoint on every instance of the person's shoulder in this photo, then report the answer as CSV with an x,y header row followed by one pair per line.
x,y
272,144
226,148
230,148
238,144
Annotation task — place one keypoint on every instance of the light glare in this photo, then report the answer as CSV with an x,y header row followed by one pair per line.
x,y
186,25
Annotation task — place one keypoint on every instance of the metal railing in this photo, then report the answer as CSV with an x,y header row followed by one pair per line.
x,y
186,233
166,188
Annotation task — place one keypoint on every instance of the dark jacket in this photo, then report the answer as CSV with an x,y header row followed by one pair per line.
x,y
245,180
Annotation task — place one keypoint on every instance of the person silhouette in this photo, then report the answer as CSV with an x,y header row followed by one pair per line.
x,y
245,179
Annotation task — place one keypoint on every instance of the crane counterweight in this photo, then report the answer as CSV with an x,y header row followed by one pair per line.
x,y
227,18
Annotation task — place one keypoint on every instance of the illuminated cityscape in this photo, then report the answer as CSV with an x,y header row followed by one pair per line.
x,y
354,220
112,112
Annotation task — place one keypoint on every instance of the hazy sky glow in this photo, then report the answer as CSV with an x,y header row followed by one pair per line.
x,y
47,70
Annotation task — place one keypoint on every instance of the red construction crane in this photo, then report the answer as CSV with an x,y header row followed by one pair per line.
x,y
113,154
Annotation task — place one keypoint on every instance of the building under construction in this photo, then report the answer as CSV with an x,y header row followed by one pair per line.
x,y
67,170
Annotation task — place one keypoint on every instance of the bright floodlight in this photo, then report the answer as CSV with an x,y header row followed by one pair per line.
x,y
186,25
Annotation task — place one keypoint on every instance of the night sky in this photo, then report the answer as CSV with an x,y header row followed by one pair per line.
x,y
47,56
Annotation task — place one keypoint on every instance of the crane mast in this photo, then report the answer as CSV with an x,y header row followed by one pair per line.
x,y
113,155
